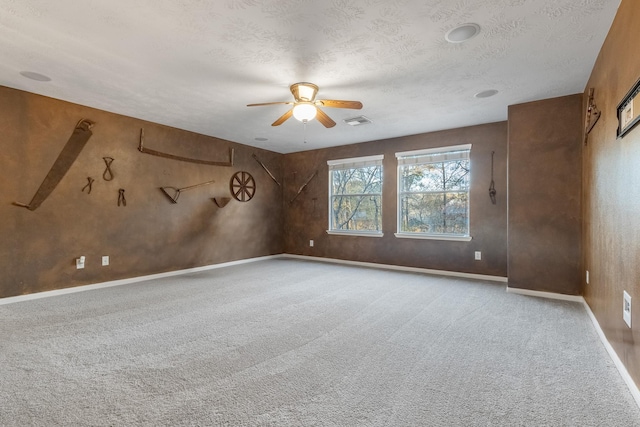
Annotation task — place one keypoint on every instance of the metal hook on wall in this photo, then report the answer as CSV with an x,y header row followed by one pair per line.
x,y
492,186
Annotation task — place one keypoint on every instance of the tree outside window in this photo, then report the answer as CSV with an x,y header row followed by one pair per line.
x,y
356,195
433,192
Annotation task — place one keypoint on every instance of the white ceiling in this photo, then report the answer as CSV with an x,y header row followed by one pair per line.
x,y
195,64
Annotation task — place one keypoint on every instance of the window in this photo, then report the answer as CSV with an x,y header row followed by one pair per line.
x,y
355,196
433,193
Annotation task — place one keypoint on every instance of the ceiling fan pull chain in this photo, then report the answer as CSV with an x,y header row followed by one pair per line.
x,y
304,132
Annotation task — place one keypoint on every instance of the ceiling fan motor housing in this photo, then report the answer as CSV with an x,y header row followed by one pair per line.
x,y
304,92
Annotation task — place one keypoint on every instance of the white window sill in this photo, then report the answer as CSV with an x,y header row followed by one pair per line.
x,y
356,233
432,237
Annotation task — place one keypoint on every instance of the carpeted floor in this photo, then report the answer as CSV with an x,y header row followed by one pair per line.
x,y
296,343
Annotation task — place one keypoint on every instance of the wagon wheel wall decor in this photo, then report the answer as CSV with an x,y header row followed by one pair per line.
x,y
242,186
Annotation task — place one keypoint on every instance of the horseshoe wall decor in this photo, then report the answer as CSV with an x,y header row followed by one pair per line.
x,y
242,186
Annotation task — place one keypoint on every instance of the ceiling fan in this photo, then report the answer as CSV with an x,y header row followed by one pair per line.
x,y
305,106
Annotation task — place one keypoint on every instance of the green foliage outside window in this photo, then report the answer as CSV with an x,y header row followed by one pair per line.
x,y
434,198
356,199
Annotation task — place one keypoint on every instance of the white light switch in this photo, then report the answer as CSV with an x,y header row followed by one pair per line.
x,y
105,260
478,255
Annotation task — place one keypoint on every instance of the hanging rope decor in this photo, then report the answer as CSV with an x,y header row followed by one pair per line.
x,y
492,186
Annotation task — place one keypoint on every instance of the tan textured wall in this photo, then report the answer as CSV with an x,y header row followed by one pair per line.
x,y
612,192
307,217
149,235
545,216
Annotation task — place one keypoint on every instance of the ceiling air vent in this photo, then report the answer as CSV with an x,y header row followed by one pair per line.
x,y
357,121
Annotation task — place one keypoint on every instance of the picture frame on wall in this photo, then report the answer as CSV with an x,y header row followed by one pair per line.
x,y
629,110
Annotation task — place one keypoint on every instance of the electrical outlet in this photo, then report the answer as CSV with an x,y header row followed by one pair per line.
x,y
105,260
311,243
478,255
626,308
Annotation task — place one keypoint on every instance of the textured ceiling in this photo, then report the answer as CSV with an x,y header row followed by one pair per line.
x,y
195,64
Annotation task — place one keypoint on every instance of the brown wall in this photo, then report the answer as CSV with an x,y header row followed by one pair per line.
x,y
149,235
307,217
544,195
612,193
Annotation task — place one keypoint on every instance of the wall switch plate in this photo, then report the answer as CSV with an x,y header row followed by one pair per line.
x,y
80,262
478,255
311,243
587,279
626,308
105,260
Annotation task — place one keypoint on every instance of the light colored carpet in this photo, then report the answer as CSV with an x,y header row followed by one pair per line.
x,y
296,343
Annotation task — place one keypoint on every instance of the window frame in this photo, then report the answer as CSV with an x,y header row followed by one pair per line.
x,y
353,163
423,235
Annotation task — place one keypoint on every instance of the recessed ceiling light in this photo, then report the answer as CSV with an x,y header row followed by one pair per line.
x,y
261,139
35,76
462,33
486,93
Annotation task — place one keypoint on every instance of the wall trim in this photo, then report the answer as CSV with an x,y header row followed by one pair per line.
x,y
622,370
633,388
400,268
548,295
120,282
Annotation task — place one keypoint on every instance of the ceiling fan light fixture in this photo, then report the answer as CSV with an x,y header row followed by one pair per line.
x,y
304,111
305,92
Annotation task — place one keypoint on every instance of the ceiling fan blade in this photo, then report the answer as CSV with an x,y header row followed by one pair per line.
x,y
335,103
268,103
324,119
283,118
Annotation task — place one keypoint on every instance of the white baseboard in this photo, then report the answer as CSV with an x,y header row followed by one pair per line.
x,y
400,268
633,388
549,295
46,294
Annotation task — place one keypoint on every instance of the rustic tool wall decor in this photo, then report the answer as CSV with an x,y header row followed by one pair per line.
x,y
121,199
67,156
173,193
492,186
142,149
301,189
107,175
221,202
89,185
265,168
242,186
593,114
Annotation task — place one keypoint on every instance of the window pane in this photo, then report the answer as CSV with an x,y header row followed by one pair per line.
x,y
357,181
435,177
362,213
437,213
